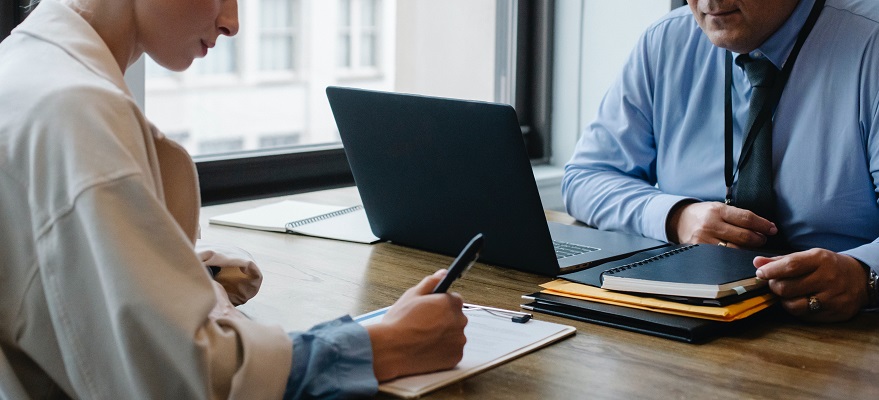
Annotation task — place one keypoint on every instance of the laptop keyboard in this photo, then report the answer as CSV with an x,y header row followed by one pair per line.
x,y
567,249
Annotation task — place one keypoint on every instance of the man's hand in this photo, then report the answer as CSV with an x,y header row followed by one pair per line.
x,y
836,281
422,332
714,222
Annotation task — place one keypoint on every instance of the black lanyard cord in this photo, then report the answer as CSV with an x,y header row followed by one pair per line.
x,y
769,106
728,128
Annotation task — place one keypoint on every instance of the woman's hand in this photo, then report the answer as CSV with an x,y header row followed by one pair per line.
x,y
422,332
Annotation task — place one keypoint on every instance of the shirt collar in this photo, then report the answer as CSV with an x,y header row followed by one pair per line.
x,y
58,24
777,48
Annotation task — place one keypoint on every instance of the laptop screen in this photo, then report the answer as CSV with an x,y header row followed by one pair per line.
x,y
433,172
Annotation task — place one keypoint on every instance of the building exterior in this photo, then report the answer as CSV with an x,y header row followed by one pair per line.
x,y
264,88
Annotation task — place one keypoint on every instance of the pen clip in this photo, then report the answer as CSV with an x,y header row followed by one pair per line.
x,y
515,316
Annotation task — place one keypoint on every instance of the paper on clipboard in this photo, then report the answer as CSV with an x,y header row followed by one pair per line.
x,y
491,340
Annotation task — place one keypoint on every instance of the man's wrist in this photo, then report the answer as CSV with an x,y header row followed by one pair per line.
x,y
872,287
673,220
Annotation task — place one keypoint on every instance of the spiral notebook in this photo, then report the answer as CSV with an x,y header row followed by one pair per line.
x,y
348,223
698,271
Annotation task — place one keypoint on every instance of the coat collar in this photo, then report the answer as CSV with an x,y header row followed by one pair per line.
x,y
60,25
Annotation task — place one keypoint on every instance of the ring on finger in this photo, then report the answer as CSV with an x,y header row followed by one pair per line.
x,y
722,243
814,304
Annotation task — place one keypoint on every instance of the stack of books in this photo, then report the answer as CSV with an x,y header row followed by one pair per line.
x,y
682,292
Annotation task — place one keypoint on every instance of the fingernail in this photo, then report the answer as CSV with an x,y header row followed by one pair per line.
x,y
760,274
440,272
773,230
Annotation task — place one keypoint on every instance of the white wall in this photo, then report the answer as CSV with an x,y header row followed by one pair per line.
x,y
446,48
593,39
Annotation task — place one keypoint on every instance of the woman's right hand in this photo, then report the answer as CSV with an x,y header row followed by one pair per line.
x,y
422,332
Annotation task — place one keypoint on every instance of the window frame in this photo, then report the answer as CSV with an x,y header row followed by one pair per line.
x,y
533,84
12,12
300,169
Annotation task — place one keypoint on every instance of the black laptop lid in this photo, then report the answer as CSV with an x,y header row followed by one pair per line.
x,y
433,172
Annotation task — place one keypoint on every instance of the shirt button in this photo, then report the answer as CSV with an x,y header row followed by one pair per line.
x,y
757,54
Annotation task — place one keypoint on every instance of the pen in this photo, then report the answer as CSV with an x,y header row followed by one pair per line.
x,y
461,264
497,310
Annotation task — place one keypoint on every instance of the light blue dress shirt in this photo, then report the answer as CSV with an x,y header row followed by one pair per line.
x,y
659,134
332,360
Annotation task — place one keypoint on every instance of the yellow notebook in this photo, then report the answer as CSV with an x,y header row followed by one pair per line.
x,y
732,312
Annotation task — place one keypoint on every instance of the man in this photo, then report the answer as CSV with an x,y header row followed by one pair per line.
x,y
654,162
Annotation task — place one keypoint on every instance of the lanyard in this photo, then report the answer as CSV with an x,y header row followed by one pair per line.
x,y
768,108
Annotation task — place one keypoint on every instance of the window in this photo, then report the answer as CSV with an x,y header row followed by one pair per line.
x,y
262,92
12,12
277,34
222,145
279,140
358,43
223,59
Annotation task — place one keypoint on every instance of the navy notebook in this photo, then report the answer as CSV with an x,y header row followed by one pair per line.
x,y
695,271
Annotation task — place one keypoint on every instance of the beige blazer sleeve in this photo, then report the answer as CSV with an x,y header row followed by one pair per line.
x,y
133,311
132,307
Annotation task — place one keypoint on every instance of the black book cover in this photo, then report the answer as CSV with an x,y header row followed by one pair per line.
x,y
679,270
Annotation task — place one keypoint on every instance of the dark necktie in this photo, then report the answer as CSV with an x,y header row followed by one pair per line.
x,y
753,189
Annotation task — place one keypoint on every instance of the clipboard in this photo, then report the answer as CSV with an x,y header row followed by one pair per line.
x,y
492,339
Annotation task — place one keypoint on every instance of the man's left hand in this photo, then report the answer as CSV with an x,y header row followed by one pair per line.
x,y
816,284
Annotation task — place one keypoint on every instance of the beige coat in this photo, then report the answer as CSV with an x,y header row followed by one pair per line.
x,y
101,293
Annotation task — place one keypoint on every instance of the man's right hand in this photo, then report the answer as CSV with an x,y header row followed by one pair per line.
x,y
422,332
717,223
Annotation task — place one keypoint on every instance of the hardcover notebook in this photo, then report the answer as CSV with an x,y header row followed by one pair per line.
x,y
741,309
318,220
697,271
685,329
432,171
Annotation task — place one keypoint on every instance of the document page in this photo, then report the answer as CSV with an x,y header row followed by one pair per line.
x,y
274,217
319,220
491,340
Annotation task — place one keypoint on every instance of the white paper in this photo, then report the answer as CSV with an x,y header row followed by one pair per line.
x,y
353,226
491,340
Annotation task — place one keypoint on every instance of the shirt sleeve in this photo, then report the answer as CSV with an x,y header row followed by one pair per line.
x,y
332,360
134,311
869,253
610,182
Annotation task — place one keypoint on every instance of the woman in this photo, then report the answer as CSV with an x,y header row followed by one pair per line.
x,y
103,294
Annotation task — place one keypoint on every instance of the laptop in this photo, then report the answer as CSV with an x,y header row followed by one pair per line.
x,y
433,172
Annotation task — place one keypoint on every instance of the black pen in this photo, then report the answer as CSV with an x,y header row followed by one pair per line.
x,y
461,264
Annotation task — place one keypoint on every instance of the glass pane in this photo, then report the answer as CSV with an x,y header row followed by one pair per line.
x,y
344,13
368,14
276,53
235,99
221,145
344,50
367,50
275,14
222,59
279,140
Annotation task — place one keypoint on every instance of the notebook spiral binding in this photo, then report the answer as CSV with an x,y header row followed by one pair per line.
x,y
296,224
649,260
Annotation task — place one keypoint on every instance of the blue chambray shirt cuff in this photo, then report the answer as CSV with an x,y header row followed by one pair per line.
x,y
869,255
332,360
656,213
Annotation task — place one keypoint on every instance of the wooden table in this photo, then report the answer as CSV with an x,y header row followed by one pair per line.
x,y
310,280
